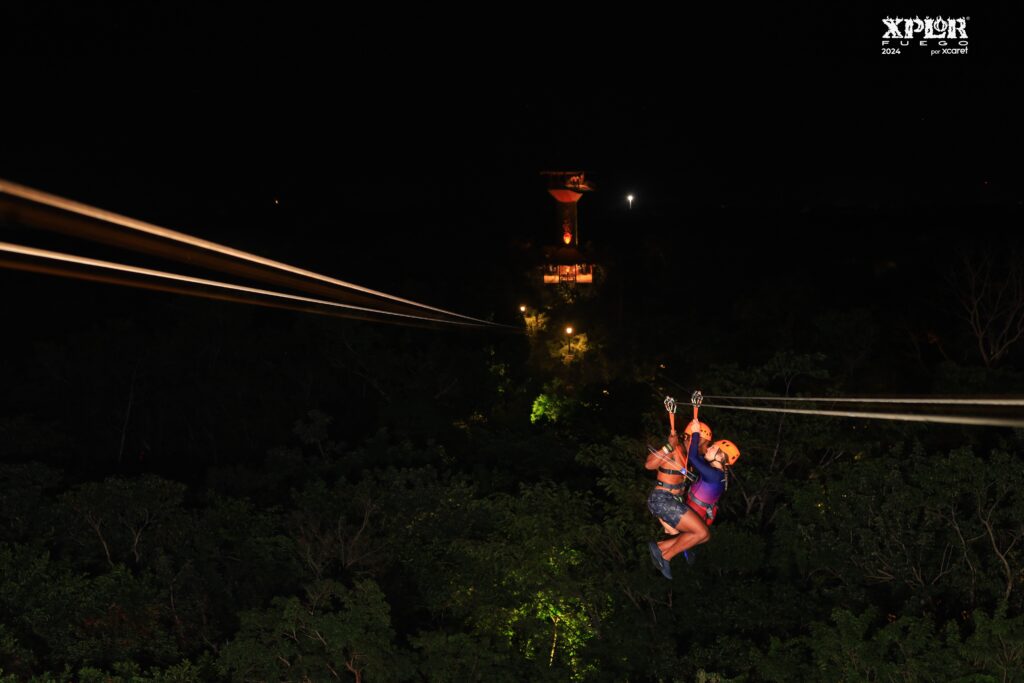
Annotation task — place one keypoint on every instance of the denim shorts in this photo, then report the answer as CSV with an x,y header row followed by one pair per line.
x,y
665,506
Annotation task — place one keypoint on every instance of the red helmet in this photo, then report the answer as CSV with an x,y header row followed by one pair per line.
x,y
705,431
732,453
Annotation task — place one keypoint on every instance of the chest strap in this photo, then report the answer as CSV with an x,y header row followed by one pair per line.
x,y
682,472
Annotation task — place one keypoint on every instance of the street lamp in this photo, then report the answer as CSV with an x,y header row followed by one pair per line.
x,y
522,309
629,198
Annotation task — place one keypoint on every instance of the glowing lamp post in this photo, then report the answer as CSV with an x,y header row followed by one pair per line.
x,y
629,198
568,343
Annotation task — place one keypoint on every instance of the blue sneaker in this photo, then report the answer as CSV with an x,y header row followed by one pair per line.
x,y
666,570
660,563
655,555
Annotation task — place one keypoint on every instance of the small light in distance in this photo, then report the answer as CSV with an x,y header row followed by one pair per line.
x,y
522,308
568,330
629,198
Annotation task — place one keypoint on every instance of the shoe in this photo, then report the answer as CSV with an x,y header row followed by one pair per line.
x,y
690,555
660,563
655,555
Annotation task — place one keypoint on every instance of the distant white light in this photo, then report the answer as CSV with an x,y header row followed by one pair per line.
x,y
629,198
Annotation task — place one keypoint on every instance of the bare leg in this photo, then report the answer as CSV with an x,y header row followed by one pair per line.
x,y
693,532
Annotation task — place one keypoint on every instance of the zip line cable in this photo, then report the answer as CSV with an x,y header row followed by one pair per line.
x,y
61,270
120,271
921,401
961,401
904,417
61,222
991,421
42,198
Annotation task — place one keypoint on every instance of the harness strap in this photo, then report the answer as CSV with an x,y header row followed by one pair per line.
x,y
690,476
696,399
662,454
707,510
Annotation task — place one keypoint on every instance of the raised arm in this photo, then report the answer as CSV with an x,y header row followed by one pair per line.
x,y
694,452
697,461
652,461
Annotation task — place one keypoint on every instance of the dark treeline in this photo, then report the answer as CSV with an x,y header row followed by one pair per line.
x,y
197,491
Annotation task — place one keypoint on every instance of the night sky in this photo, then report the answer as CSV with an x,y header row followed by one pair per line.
x,y
405,155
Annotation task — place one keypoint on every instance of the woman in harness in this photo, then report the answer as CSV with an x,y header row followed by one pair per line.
x,y
667,501
712,480
701,499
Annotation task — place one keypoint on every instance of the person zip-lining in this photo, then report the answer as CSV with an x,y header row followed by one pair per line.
x,y
687,517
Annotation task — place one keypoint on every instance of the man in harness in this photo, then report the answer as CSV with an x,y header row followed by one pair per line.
x,y
687,517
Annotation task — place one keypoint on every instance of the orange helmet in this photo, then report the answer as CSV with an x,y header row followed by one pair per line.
x,y
705,431
732,453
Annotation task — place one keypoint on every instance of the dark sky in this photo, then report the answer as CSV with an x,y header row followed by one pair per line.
x,y
416,139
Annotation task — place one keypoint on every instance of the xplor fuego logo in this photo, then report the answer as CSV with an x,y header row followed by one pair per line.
x,y
927,32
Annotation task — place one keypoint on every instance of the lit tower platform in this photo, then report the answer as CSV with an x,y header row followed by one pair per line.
x,y
565,262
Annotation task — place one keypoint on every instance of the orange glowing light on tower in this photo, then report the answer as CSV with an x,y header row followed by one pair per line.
x,y
565,263
567,187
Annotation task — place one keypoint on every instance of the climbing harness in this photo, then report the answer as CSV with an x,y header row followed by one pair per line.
x,y
659,453
671,406
707,511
